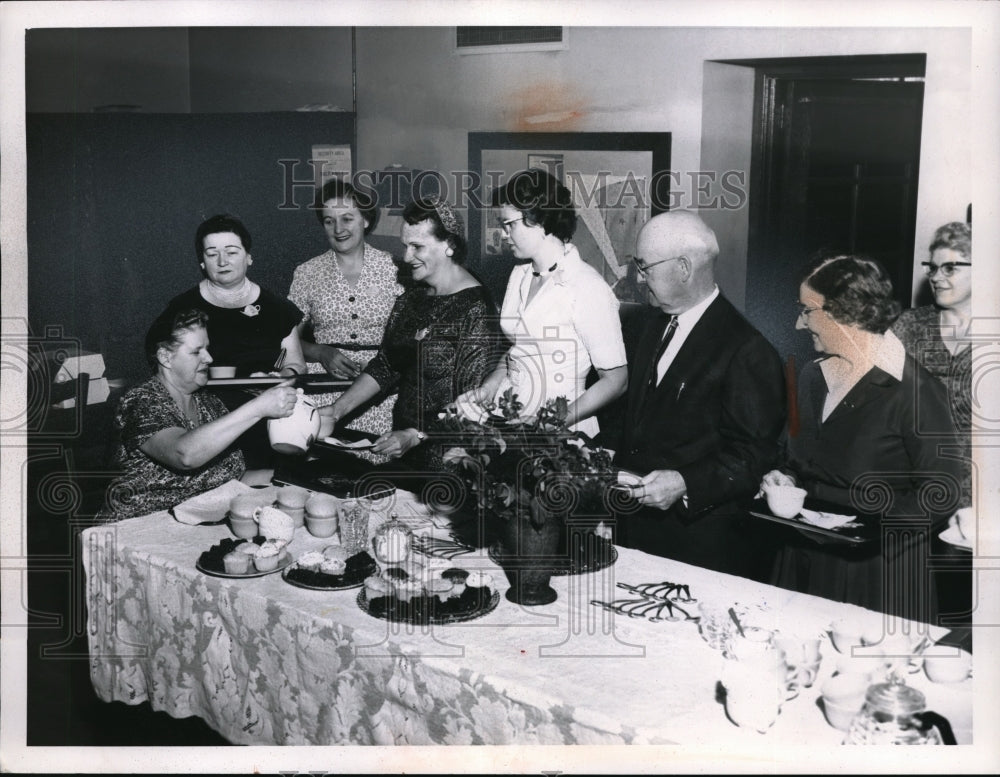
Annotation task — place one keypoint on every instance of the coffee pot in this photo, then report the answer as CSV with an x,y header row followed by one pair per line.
x,y
295,433
894,714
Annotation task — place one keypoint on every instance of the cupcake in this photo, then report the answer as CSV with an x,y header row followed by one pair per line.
x,y
236,563
266,557
274,524
407,589
477,579
440,588
333,566
377,586
311,561
457,577
336,551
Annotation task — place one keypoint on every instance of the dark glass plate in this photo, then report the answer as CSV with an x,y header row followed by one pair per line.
x,y
429,610
358,568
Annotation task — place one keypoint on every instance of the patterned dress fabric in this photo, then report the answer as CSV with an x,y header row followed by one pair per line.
x,y
146,485
435,348
351,316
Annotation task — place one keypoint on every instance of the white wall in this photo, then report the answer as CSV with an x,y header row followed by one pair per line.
x,y
418,99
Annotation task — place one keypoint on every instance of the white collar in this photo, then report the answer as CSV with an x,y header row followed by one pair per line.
x,y
890,355
692,315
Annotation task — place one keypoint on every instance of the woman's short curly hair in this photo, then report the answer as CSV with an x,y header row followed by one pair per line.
x,y
542,200
957,236
857,290
339,189
168,328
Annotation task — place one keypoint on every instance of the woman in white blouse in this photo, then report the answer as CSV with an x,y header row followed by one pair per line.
x,y
558,311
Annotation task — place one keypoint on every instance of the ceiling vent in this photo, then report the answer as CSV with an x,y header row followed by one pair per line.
x,y
483,40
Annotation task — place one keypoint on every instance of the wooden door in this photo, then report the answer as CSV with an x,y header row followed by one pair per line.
x,y
841,159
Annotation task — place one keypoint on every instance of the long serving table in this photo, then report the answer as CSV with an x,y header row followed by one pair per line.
x,y
264,662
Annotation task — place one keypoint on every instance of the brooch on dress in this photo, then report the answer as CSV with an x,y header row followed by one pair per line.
x,y
422,333
251,310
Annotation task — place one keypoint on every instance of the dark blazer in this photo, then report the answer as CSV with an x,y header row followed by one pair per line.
x,y
716,418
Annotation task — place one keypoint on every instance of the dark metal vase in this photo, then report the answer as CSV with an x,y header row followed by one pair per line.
x,y
529,544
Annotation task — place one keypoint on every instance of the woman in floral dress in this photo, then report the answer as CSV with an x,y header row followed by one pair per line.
x,y
346,295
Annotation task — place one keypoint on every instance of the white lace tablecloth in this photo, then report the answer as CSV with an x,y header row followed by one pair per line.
x,y
264,662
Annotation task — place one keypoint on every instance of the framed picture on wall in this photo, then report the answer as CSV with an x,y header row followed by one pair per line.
x,y
618,180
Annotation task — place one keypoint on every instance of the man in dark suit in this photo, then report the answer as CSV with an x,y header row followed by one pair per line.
x,y
706,405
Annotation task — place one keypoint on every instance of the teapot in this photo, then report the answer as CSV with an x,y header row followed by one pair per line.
x,y
894,714
296,432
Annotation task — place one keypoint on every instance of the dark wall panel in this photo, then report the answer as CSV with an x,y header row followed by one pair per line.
x,y
114,201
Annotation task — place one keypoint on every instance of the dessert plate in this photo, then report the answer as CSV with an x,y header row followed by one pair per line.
x,y
426,610
353,576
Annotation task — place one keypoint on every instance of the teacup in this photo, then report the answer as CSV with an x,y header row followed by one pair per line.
x,y
756,691
843,697
321,527
753,645
784,501
845,634
222,372
321,514
243,527
950,668
291,501
802,655
870,662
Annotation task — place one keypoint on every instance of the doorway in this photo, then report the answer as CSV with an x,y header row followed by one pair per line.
x,y
835,167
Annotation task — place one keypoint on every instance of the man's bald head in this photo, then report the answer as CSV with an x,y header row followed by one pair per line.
x,y
684,250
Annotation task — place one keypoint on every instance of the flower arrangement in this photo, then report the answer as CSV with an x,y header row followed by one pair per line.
x,y
511,463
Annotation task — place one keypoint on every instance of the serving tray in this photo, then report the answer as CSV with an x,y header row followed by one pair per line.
x,y
353,576
424,610
864,529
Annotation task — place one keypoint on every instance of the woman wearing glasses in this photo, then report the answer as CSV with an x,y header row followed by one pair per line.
x,y
936,335
558,311
872,423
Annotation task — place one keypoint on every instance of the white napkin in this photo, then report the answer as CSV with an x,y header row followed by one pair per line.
x,y
342,444
826,520
211,505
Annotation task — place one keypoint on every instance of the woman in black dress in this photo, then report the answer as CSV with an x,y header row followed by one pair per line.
x,y
874,436
441,339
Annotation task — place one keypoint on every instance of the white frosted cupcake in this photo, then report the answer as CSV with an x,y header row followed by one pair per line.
x,y
440,588
407,589
333,566
311,560
377,586
477,579
266,557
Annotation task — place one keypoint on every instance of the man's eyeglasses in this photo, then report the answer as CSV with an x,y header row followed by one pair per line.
x,y
806,311
505,225
947,268
644,268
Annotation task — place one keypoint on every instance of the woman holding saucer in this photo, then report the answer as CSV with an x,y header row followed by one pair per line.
x,y
559,312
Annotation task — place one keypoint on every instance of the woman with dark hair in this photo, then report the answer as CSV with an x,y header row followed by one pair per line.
x,y
249,327
872,437
559,312
440,339
346,295
176,440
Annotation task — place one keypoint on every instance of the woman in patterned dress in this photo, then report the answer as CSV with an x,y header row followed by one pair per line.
x,y
440,341
177,441
346,295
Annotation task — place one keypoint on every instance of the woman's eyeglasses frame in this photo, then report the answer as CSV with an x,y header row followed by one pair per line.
x,y
947,269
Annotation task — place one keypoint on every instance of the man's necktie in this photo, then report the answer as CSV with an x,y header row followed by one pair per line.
x,y
668,335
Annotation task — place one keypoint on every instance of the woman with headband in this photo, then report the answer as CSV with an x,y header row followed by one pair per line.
x,y
439,341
